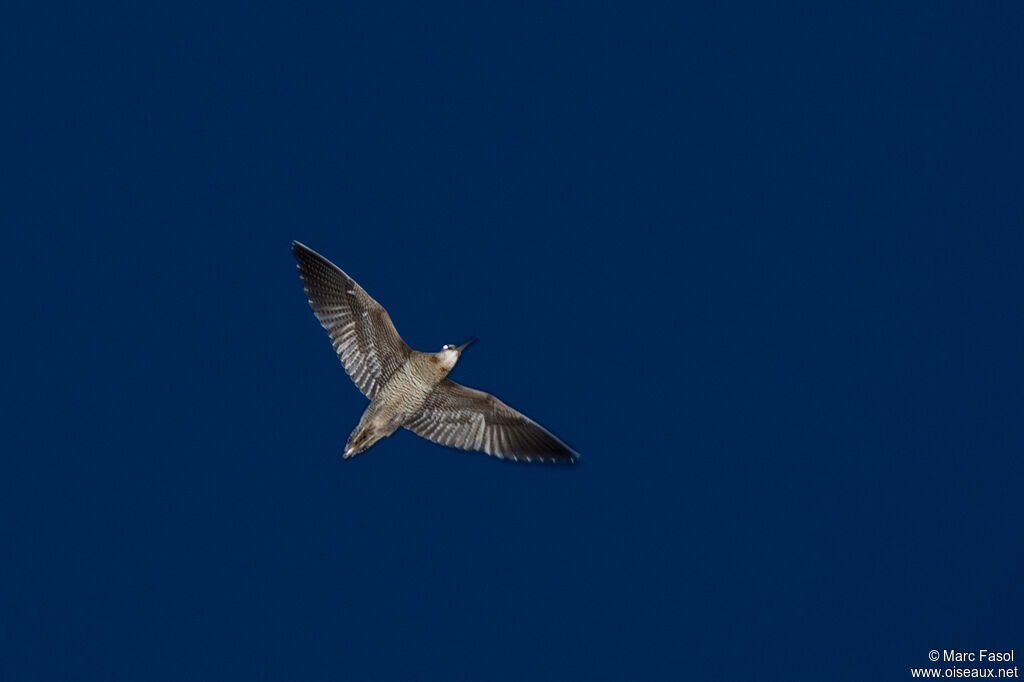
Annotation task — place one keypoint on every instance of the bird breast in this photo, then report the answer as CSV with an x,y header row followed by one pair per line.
x,y
410,385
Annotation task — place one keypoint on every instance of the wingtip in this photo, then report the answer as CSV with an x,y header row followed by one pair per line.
x,y
540,460
572,460
566,457
303,253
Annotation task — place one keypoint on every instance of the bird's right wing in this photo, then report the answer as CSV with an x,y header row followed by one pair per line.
x,y
361,331
463,417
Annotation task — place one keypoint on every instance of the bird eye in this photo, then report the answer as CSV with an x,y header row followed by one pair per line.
x,y
445,347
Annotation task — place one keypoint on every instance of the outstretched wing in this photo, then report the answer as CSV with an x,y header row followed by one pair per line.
x,y
463,417
360,329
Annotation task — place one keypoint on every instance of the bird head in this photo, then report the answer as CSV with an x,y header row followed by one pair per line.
x,y
450,353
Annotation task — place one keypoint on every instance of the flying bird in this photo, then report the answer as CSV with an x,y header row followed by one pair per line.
x,y
410,388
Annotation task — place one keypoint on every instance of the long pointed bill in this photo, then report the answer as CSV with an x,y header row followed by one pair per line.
x,y
470,341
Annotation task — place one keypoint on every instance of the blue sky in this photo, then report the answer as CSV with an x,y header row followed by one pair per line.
x,y
760,266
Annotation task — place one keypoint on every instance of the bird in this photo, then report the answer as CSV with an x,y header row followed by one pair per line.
x,y
409,388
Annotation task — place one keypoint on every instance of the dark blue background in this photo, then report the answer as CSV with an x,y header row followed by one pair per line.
x,y
761,266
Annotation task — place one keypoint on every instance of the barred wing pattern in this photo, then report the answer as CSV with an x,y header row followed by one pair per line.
x,y
361,331
463,417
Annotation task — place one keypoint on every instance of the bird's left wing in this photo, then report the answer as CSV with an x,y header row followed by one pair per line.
x,y
361,331
463,417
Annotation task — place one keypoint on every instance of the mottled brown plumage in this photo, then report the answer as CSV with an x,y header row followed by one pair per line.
x,y
410,388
